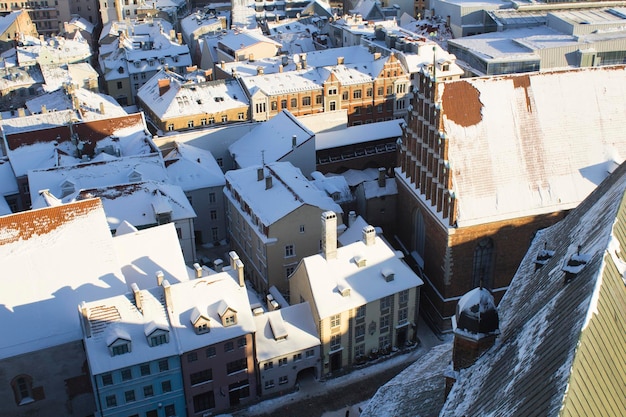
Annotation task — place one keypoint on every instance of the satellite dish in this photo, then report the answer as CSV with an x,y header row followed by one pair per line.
x,y
296,58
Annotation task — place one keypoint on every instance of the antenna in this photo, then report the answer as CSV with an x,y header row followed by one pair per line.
x,y
263,158
434,64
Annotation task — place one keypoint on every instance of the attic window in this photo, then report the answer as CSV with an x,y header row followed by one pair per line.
x,y
388,274
343,289
200,321
227,314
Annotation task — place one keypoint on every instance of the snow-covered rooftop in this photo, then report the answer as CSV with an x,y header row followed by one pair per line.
x,y
97,174
300,332
289,190
210,294
366,283
139,203
184,97
143,253
528,144
91,106
546,321
193,168
49,265
359,134
270,141
120,317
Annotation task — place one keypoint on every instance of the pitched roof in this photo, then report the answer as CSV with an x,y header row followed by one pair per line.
x,y
270,141
49,265
547,358
192,168
366,283
532,143
289,191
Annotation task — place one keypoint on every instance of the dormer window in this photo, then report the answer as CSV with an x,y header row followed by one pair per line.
x,y
156,334
200,320
67,188
227,314
118,341
134,176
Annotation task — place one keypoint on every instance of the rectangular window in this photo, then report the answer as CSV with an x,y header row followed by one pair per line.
x,y
359,351
268,365
403,297
306,101
282,362
201,376
126,374
203,121
357,110
228,347
384,324
148,391
236,366
260,107
335,320
274,105
192,357
318,99
389,90
170,127
403,315
166,386
119,85
107,379
224,118
120,349
211,120
297,357
301,228
211,198
385,303
369,92
379,108
145,369
283,380
283,104
289,251
359,333
190,123
163,365
269,384
344,95
310,353
356,94
332,91
294,103
170,410
111,401
213,214
289,270
129,396
380,91
210,351
335,342
242,342
240,116
204,401
332,106
360,313
383,341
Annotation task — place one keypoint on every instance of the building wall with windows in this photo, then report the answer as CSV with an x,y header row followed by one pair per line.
x,y
47,15
52,381
153,389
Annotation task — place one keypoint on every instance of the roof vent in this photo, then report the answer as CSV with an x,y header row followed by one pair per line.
x,y
344,289
388,274
360,261
543,256
575,264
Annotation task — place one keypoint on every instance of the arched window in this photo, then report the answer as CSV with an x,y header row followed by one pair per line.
x,y
482,269
419,236
23,389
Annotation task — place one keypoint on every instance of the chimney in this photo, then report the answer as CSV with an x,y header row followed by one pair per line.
x,y
179,37
369,235
381,177
280,68
102,107
251,57
172,34
191,69
233,259
259,70
218,265
340,60
84,315
160,277
164,86
167,294
21,112
329,235
223,65
268,182
239,267
377,55
259,174
298,66
198,269
351,217
44,109
303,60
137,295
294,141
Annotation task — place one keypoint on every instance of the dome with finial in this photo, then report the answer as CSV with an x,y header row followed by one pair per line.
x,y
476,312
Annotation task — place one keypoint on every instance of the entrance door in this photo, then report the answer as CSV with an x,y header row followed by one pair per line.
x,y
401,337
335,361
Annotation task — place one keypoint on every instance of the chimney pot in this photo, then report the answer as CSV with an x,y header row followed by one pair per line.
x,y
137,295
160,277
268,182
259,174
239,268
381,177
329,235
167,293
369,235
198,269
